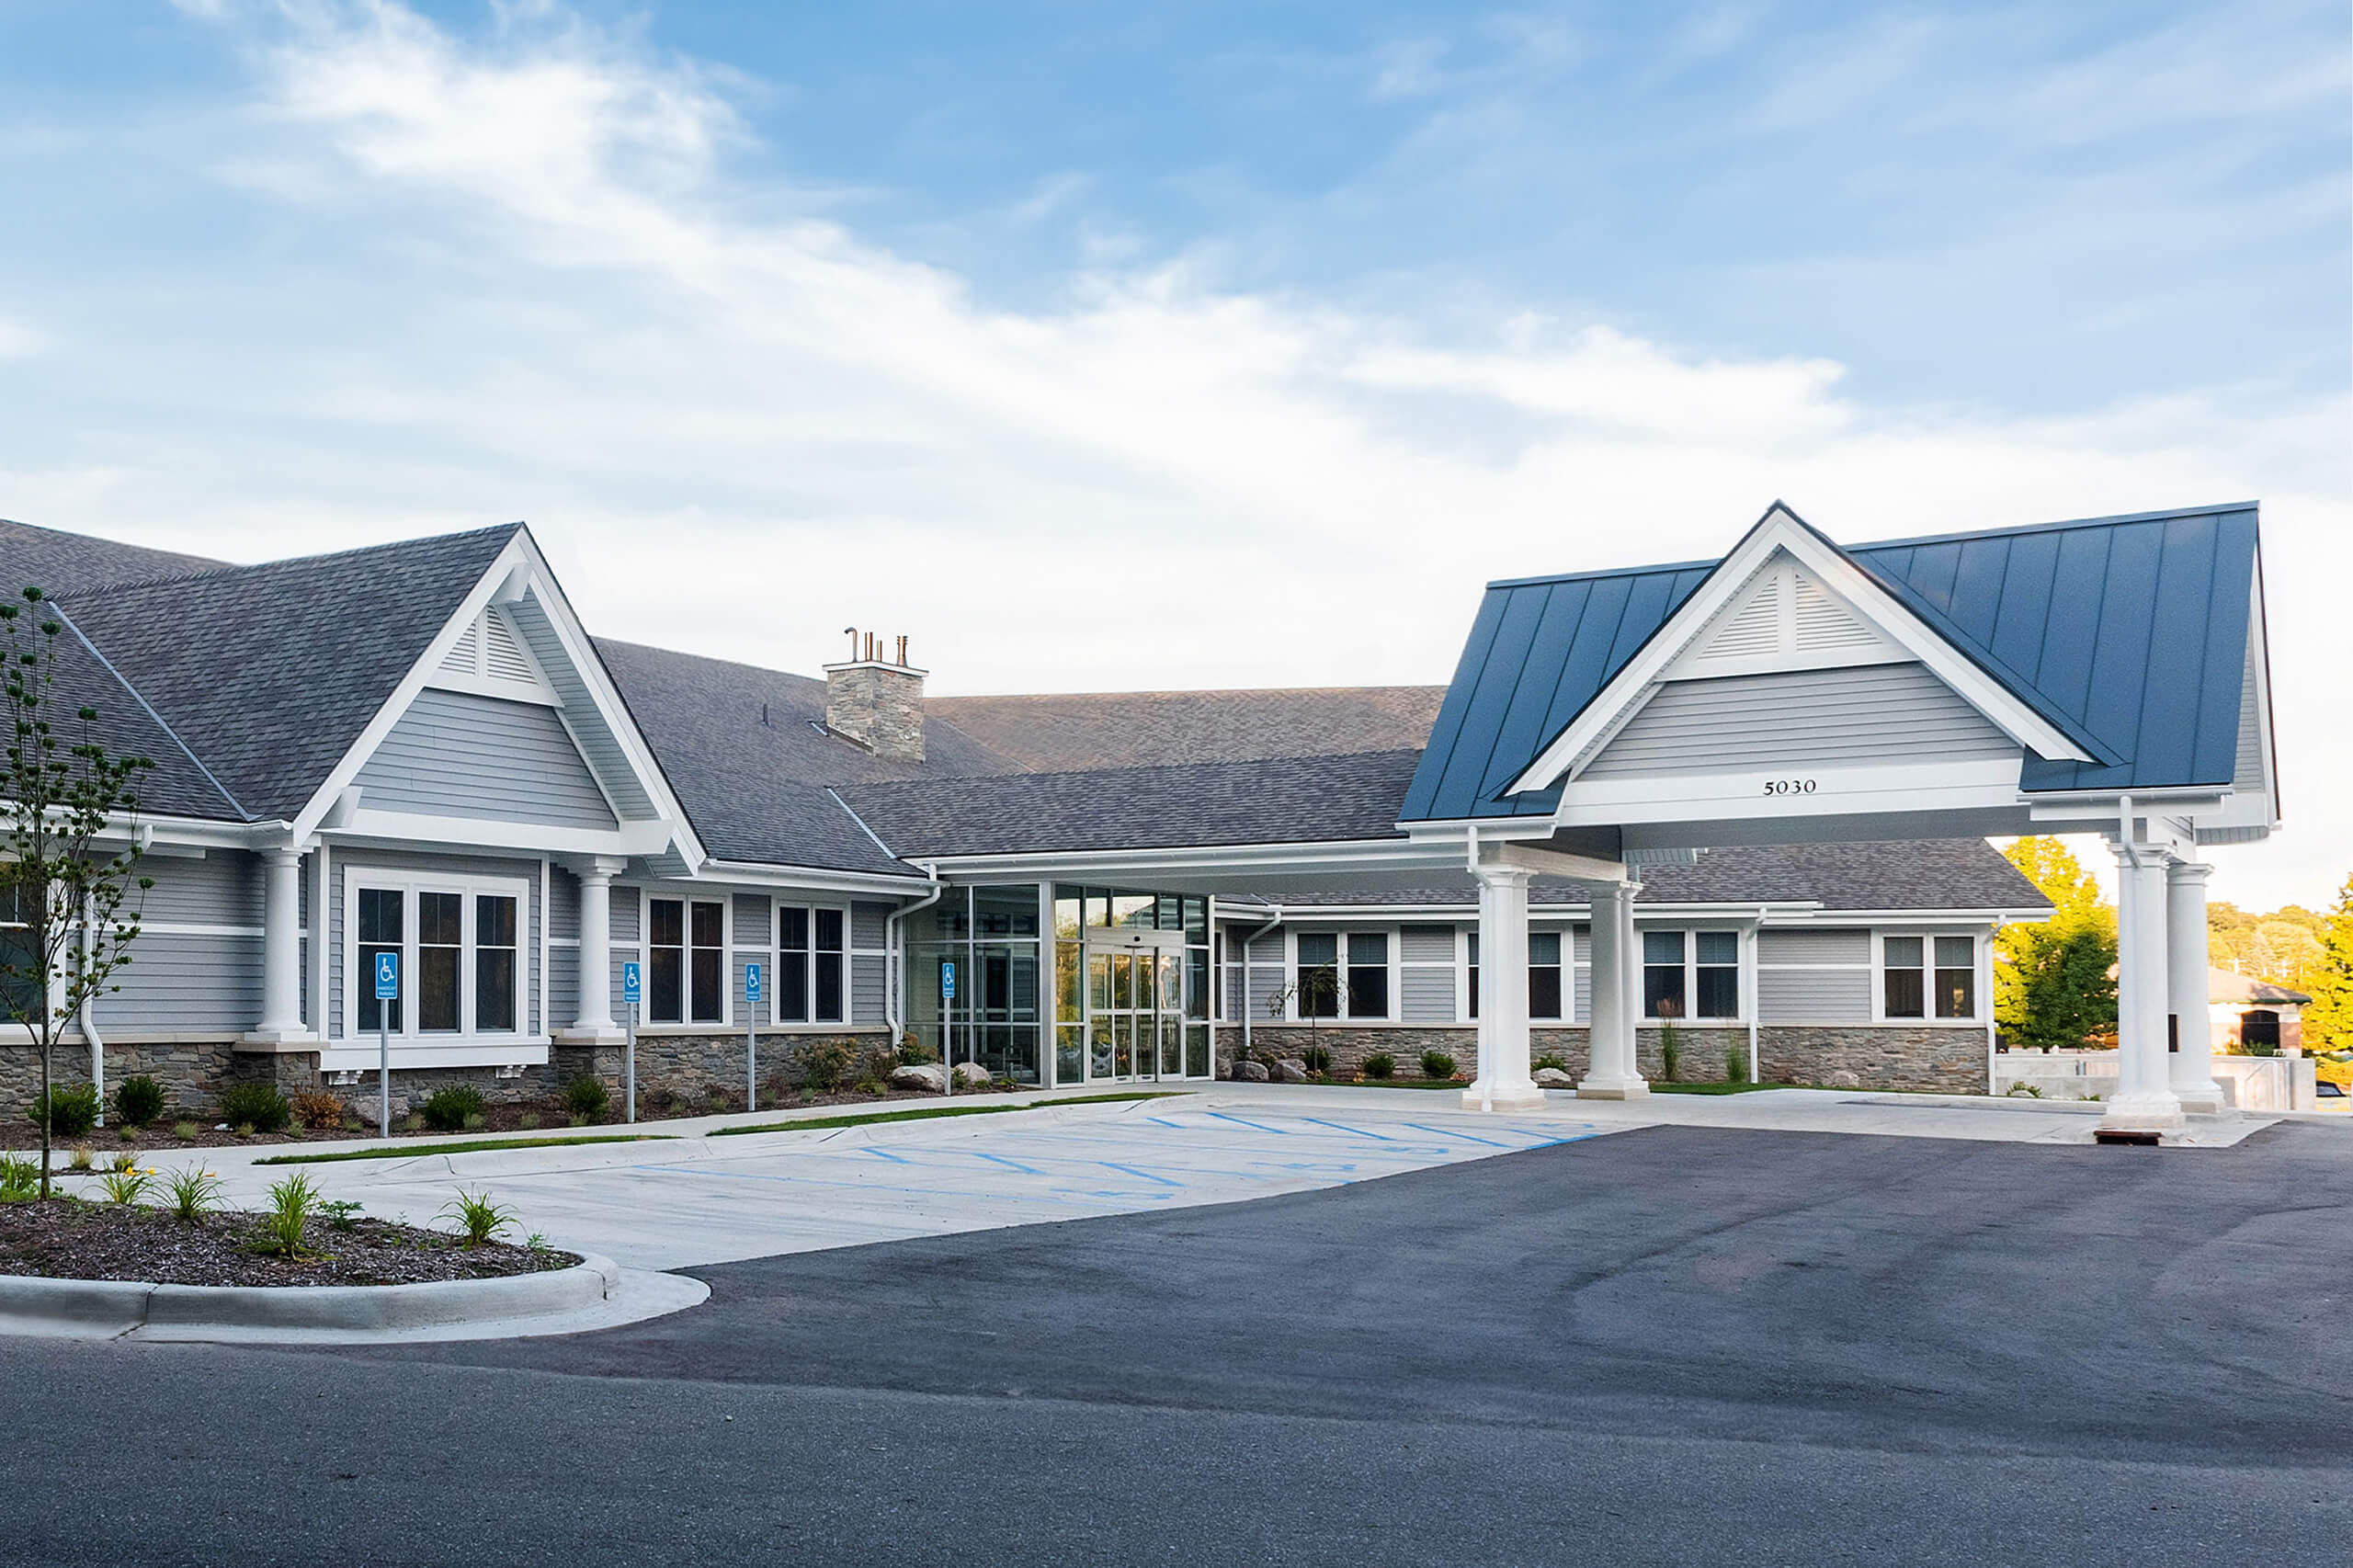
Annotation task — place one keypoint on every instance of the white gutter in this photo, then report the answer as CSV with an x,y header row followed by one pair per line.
x,y
894,949
89,1010
1247,1006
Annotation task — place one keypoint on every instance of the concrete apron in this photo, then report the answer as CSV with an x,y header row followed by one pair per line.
x,y
595,1293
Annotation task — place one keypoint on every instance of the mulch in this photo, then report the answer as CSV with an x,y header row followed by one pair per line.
x,y
67,1239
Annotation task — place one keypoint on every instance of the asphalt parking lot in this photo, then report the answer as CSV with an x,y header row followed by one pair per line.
x,y
1673,1345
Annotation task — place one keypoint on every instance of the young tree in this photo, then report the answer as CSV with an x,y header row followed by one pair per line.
x,y
2328,1021
61,794
2053,987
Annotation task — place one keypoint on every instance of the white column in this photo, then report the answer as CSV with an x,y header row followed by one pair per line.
x,y
2144,1099
593,1007
2192,1056
281,948
1611,1072
1503,1083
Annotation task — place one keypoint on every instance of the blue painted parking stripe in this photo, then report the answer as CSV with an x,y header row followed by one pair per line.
x,y
1014,1164
1466,1137
1245,1122
1359,1131
1130,1170
886,1154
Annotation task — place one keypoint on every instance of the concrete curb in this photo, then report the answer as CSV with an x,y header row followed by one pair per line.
x,y
115,1308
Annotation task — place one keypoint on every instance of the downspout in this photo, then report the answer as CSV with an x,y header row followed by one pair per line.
x,y
1248,1008
89,1009
895,948
1755,994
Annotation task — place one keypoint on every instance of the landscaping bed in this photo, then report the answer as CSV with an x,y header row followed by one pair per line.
x,y
66,1239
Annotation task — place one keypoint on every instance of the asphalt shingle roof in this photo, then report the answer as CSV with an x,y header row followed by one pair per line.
x,y
1261,800
269,673
1931,873
59,564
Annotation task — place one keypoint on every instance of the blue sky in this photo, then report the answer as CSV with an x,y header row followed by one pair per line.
x,y
1234,343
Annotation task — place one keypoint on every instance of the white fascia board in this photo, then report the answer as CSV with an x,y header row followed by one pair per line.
x,y
1378,855
1553,863
1880,608
791,878
1924,790
402,829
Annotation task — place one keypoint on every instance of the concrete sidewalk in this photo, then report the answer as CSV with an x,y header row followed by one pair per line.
x,y
690,1199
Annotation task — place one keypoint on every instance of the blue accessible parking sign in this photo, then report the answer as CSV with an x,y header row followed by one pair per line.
x,y
388,977
631,990
947,982
751,983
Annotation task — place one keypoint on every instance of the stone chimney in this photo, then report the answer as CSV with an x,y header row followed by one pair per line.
x,y
876,701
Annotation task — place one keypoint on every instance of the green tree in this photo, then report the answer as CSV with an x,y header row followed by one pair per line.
x,y
2328,1021
2053,987
63,804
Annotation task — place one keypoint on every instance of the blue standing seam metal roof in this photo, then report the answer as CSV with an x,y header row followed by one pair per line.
x,y
2063,615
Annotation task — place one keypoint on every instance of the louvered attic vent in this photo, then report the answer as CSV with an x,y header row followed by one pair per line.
x,y
1785,616
490,654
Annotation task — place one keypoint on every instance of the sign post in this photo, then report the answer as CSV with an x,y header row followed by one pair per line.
x,y
388,989
947,1026
633,991
751,1037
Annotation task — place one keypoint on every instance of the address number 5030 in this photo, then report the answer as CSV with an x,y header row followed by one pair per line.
x,y
1788,786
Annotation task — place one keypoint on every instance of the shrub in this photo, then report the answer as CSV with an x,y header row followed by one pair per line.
x,y
291,1204
1736,1064
1379,1064
1436,1064
339,1213
138,1100
477,1216
447,1109
913,1053
192,1194
82,1161
586,1097
1318,1059
319,1110
1549,1059
68,1109
824,1064
257,1107
528,1120
1670,1053
186,1131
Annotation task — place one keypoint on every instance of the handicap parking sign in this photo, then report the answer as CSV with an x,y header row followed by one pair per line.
x,y
751,983
388,977
631,990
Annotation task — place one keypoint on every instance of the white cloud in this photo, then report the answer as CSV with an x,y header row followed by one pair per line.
x,y
738,432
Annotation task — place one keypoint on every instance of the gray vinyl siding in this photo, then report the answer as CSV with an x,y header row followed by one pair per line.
x,y
563,986
1871,713
456,754
1426,944
185,984
624,922
1842,946
1814,995
223,889
755,924
603,749
410,864
564,905
868,975
2247,773
866,925
1426,994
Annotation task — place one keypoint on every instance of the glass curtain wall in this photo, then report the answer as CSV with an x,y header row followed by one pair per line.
x,y
1131,985
990,936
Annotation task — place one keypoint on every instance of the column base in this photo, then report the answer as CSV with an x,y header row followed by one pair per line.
x,y
2158,1112
296,1036
614,1035
1502,1096
2201,1099
1599,1088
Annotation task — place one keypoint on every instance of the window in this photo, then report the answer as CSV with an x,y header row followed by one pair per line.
x,y
380,932
19,964
494,967
440,953
1663,979
461,944
686,971
826,964
1368,974
1319,975
1473,976
1543,974
1908,979
1715,992
792,966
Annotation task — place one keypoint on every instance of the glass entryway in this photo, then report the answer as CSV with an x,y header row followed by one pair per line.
x,y
1131,986
1135,1007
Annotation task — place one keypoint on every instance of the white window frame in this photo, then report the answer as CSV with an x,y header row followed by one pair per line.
x,y
409,882
685,1023
1466,1010
777,905
1741,967
1928,935
1340,961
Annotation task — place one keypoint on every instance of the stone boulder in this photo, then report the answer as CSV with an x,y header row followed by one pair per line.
x,y
1552,1078
928,1076
1250,1072
1843,1079
1290,1070
972,1075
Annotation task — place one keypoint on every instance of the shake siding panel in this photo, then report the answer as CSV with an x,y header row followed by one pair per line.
x,y
455,754
1874,714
